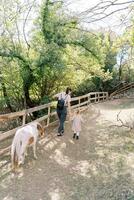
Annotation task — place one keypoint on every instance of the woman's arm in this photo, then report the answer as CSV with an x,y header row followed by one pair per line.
x,y
56,96
69,107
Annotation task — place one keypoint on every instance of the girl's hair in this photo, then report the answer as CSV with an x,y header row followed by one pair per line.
x,y
68,89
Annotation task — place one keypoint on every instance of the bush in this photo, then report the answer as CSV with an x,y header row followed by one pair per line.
x,y
85,87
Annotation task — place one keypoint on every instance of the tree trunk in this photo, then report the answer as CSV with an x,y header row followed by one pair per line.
x,y
120,72
28,100
7,100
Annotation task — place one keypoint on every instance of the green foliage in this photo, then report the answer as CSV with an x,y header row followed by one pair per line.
x,y
58,54
85,87
110,53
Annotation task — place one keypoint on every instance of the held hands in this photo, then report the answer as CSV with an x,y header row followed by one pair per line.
x,y
71,115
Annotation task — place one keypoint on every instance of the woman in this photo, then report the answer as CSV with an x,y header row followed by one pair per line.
x,y
63,105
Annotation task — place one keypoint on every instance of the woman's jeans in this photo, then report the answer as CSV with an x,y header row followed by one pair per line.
x,y
62,117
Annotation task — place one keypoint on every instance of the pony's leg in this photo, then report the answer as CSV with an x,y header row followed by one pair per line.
x,y
22,154
12,165
34,150
21,160
26,152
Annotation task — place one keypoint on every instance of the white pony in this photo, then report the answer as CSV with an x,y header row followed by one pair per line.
x,y
24,137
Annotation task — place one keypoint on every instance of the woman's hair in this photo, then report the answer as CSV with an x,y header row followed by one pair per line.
x,y
68,89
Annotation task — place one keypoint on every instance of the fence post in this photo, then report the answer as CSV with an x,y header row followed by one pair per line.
x,y
103,96
98,97
79,103
107,96
89,100
48,119
24,118
95,97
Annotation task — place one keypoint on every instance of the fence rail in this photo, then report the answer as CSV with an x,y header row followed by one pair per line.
x,y
85,100
122,89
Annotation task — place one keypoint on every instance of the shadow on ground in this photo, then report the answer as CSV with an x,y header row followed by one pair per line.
x,y
99,166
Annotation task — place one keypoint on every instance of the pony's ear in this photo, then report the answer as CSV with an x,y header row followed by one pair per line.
x,y
40,129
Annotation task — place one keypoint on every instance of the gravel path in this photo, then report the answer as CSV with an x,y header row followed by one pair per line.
x,y
99,166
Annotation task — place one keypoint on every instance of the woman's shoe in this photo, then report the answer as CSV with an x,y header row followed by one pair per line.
x,y
59,134
74,135
62,132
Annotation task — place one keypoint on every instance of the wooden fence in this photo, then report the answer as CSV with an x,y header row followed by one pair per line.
x,y
76,103
123,89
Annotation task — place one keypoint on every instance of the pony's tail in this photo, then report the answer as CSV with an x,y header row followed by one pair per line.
x,y
13,157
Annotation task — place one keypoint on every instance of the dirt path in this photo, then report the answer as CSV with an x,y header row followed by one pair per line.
x,y
100,166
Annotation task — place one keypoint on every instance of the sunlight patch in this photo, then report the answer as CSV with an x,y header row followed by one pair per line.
x,y
21,174
71,141
63,145
100,153
55,195
83,168
60,158
7,198
44,140
103,134
3,162
5,173
50,145
130,160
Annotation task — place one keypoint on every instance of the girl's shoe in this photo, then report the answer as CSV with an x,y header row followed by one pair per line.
x,y
77,137
74,135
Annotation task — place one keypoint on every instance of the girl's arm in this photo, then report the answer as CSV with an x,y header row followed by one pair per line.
x,y
82,120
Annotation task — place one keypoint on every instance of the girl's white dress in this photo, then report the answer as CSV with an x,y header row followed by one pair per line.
x,y
76,126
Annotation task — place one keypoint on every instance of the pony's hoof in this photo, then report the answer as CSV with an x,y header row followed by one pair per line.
x,y
35,157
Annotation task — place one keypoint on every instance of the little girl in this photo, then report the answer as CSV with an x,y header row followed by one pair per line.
x,y
76,127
